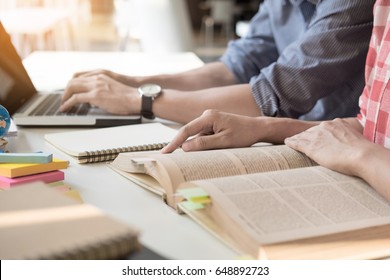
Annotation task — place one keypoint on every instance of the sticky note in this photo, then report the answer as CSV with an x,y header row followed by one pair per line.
x,y
191,206
196,195
25,158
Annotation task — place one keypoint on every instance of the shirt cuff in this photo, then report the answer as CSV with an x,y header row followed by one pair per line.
x,y
264,97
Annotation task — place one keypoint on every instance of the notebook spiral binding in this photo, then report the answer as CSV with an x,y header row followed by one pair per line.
x,y
111,154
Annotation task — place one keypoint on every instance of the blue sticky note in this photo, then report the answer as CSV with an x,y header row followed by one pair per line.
x,y
26,157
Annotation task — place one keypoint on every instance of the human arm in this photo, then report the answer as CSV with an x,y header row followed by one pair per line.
x,y
340,146
214,74
175,105
215,129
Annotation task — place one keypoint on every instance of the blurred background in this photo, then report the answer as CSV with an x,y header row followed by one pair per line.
x,y
201,26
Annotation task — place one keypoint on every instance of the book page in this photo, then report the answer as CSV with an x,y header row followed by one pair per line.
x,y
189,166
293,204
142,180
171,170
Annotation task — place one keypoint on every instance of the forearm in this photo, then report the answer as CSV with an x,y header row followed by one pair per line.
x,y
275,130
184,106
210,75
373,165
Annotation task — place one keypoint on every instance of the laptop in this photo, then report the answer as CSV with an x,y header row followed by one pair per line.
x,y
28,107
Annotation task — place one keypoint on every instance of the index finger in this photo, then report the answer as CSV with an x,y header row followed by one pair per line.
x,y
194,127
75,99
74,86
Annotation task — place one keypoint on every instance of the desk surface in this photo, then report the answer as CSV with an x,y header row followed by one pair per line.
x,y
162,229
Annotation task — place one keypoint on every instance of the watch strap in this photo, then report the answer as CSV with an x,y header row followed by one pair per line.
x,y
146,107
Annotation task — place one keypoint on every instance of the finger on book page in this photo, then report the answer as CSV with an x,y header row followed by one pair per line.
x,y
197,126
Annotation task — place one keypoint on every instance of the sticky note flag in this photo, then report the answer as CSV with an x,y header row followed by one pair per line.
x,y
191,206
196,195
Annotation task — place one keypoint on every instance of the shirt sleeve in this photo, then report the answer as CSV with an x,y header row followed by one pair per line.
x,y
246,56
325,59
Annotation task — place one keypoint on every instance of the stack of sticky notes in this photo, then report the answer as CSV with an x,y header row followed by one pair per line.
x,y
20,168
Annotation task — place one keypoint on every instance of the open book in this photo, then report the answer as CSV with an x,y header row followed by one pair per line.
x,y
305,213
268,202
104,144
164,173
38,222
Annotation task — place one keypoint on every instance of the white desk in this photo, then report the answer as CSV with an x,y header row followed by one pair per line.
x,y
162,230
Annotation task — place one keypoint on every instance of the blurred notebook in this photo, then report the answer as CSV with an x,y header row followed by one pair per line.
x,y
30,108
37,222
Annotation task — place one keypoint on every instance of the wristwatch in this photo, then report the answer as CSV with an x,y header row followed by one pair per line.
x,y
148,93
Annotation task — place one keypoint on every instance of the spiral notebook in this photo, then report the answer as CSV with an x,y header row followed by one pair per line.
x,y
104,144
38,222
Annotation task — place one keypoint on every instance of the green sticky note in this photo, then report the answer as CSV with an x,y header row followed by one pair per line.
x,y
191,206
191,193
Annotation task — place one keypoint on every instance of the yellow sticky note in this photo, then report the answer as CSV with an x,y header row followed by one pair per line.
x,y
202,200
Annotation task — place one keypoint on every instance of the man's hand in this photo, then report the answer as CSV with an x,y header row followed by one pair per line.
x,y
102,91
336,144
214,129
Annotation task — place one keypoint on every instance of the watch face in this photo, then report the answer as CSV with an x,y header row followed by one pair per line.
x,y
150,90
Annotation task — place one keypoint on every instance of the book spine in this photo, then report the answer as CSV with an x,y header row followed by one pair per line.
x,y
111,154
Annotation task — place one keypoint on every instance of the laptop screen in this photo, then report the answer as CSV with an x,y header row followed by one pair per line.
x,y
16,87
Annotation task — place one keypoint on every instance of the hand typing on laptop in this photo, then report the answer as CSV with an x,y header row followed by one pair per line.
x,y
101,91
184,95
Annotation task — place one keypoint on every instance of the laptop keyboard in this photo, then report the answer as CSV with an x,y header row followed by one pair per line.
x,y
51,104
